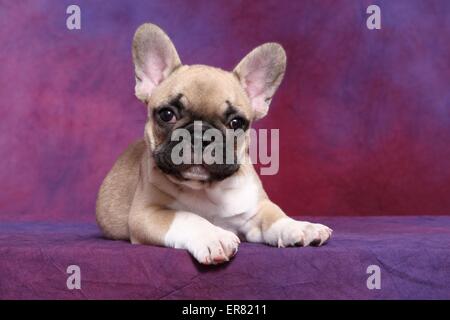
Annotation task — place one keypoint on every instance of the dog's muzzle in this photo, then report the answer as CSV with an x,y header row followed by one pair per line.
x,y
198,151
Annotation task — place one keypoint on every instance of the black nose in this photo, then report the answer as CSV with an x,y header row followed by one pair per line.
x,y
197,131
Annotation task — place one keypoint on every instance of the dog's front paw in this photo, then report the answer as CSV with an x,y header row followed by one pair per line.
x,y
214,246
288,232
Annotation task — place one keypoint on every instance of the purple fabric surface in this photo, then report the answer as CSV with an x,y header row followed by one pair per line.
x,y
412,252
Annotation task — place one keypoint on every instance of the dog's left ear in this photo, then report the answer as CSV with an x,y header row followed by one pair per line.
x,y
260,73
154,57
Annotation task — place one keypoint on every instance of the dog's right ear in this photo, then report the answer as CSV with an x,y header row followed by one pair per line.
x,y
154,57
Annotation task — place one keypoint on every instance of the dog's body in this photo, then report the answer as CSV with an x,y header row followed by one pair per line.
x,y
205,209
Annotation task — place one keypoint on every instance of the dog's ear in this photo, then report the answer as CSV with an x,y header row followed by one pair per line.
x,y
154,57
260,73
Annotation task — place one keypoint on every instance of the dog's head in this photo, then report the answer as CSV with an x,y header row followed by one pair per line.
x,y
199,116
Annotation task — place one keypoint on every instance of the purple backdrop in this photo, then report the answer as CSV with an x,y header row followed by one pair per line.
x,y
364,115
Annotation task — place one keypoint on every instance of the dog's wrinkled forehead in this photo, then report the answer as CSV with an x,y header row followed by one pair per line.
x,y
203,90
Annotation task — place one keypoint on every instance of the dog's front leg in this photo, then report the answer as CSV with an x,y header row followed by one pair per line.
x,y
208,243
272,226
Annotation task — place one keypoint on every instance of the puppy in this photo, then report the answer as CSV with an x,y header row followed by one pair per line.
x,y
148,198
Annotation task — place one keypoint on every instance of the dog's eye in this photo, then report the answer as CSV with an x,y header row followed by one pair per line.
x,y
167,115
236,123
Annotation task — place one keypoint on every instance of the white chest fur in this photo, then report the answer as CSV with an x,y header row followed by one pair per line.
x,y
227,204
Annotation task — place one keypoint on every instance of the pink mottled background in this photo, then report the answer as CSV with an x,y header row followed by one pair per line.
x,y
364,116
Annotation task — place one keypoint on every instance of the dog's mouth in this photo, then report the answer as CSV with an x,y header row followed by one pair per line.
x,y
196,173
200,173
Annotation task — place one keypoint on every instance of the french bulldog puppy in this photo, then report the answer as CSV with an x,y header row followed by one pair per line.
x,y
206,209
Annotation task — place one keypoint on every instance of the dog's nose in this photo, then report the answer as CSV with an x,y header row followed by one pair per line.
x,y
197,131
